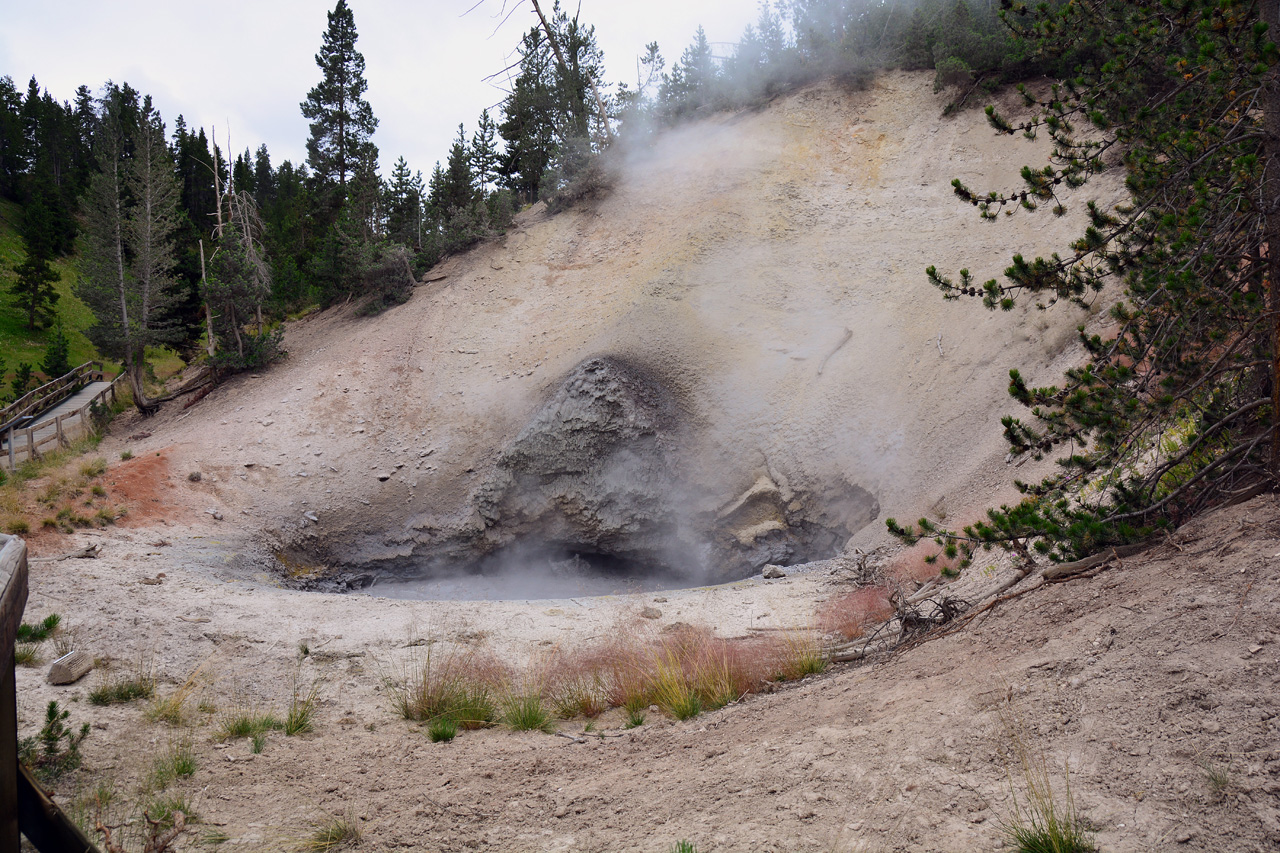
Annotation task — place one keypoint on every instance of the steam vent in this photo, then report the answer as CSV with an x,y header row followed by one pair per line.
x,y
730,359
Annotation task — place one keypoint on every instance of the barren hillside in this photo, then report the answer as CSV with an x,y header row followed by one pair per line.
x,y
732,359
756,278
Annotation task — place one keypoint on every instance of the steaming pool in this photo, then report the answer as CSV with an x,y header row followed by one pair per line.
x,y
537,576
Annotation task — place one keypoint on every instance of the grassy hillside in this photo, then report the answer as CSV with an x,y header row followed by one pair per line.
x,y
17,343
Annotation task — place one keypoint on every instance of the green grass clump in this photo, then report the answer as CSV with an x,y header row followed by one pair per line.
x,y
442,729
164,810
27,654
95,467
179,762
332,833
302,711
122,690
247,724
525,712
461,686
1043,822
126,455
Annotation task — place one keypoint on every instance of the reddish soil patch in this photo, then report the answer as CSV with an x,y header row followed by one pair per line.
x,y
146,486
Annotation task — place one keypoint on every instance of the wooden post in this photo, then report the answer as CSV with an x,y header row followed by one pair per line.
x,y
13,599
31,443
13,459
62,439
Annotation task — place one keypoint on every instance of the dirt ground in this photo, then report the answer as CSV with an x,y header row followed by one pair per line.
x,y
736,251
1142,680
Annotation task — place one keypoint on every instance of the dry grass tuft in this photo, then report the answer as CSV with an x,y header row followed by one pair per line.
x,y
850,615
461,684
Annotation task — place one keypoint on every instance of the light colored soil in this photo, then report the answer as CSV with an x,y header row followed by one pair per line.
x,y
735,253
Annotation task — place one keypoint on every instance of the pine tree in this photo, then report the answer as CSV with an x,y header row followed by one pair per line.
x,y
57,354
33,292
342,122
1178,409
130,213
484,152
23,381
404,205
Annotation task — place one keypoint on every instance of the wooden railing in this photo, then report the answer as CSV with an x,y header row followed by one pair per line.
x,y
50,393
22,440
25,808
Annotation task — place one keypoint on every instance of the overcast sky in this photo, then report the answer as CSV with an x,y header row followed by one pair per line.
x,y
247,64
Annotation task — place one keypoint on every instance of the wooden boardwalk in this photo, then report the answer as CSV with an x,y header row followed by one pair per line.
x,y
69,419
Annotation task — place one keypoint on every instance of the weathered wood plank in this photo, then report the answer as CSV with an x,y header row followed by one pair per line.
x,y
13,600
70,668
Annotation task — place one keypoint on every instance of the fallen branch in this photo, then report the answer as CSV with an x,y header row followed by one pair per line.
x,y
1064,571
87,552
206,377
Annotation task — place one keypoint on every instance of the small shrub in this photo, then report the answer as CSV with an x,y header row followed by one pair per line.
x,y
17,527
105,516
849,615
635,718
40,631
98,490
257,742
684,847
195,477
525,712
442,729
56,749
126,455
332,833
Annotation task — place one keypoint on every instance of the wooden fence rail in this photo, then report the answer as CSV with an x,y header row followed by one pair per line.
x,y
24,807
50,393
26,443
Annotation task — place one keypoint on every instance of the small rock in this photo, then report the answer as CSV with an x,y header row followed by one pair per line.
x,y
774,572
660,600
216,515
651,613
384,477
1183,837
1211,726
1253,650
195,476
312,517
250,464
